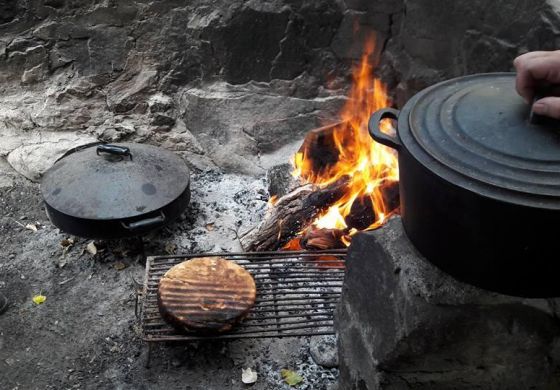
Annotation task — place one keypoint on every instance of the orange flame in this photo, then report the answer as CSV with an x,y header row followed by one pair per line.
x,y
370,165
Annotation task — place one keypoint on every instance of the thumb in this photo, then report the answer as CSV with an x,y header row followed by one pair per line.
x,y
548,106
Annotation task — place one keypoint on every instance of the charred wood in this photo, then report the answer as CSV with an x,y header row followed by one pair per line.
x,y
291,214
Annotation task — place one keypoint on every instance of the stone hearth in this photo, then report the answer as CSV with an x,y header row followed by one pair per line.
x,y
404,324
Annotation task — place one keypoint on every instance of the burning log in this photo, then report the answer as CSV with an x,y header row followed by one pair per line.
x,y
291,214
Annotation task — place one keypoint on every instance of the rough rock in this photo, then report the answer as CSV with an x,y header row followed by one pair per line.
x,y
127,95
40,151
324,351
247,77
223,118
402,323
463,37
160,103
33,75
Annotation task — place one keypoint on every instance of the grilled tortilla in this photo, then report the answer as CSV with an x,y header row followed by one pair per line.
x,y
206,294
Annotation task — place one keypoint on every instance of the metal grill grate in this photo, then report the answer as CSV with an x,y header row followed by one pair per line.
x,y
296,295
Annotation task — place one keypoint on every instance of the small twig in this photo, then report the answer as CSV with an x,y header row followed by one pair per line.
x,y
238,238
19,223
66,281
137,285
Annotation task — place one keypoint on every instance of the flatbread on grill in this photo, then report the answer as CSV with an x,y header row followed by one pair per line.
x,y
206,294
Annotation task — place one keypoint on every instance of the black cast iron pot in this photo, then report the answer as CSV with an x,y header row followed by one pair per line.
x,y
480,184
115,191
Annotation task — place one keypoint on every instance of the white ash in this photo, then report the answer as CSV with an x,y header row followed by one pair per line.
x,y
222,205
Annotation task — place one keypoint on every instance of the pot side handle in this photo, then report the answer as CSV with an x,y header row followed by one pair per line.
x,y
145,223
375,131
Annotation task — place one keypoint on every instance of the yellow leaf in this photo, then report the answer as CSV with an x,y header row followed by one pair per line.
x,y
119,266
210,226
170,248
67,242
38,299
291,377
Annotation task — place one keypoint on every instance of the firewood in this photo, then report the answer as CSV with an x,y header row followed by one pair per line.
x,y
291,214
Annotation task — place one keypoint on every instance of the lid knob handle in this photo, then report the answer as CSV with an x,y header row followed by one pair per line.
x,y
114,150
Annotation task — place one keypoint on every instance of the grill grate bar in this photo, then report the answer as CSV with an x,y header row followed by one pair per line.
x,y
297,293
309,323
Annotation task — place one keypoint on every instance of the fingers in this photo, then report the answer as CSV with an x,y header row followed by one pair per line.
x,y
548,106
534,69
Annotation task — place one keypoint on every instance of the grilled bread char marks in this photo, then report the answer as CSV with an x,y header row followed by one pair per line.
x,y
206,294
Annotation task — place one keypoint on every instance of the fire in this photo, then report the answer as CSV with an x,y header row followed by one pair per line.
x,y
370,167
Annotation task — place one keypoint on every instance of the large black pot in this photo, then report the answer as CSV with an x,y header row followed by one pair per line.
x,y
115,191
480,184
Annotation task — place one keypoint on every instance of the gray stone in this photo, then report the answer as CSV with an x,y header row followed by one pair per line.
x,y
324,351
426,46
402,323
353,32
128,94
162,120
65,52
40,150
33,75
160,103
35,55
9,10
236,123
52,30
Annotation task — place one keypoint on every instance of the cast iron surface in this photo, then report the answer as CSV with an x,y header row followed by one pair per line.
x,y
475,131
297,293
118,181
477,219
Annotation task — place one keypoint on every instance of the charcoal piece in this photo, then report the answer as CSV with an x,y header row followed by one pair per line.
x,y
321,239
390,193
362,213
280,180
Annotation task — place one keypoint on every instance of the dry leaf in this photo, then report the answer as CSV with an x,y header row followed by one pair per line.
x,y
67,242
210,226
248,376
119,266
91,248
31,226
170,248
38,299
291,377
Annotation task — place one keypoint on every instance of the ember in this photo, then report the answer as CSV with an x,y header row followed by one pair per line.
x,y
346,149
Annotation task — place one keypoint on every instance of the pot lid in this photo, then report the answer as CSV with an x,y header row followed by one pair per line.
x,y
104,182
477,129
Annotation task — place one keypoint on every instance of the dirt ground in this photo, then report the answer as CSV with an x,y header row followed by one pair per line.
x,y
85,335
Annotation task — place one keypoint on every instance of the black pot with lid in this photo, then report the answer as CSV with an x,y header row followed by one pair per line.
x,y
114,191
480,183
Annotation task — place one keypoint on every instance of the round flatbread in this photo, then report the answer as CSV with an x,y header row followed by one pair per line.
x,y
206,294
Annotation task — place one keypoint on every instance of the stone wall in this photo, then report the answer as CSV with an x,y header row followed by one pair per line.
x,y
231,84
433,40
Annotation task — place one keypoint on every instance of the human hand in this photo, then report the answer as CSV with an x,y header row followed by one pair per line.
x,y
539,69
